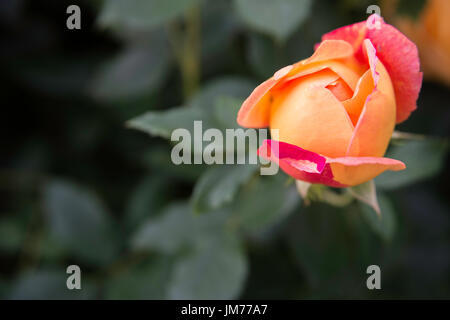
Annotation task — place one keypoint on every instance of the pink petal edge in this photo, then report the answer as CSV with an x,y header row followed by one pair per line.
x,y
398,54
309,166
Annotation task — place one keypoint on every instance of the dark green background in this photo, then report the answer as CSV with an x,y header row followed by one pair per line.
x,y
79,187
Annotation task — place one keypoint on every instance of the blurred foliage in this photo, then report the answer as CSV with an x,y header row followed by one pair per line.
x,y
81,186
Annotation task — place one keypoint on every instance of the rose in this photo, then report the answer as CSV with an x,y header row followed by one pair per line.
x,y
335,111
431,33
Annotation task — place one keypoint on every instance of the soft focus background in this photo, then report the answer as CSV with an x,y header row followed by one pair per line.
x,y
80,186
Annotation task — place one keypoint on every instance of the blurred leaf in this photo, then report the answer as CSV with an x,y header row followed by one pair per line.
x,y
56,76
423,159
216,105
225,112
51,250
167,232
49,285
367,193
221,115
4,288
147,280
219,25
141,14
384,224
219,185
11,235
79,221
262,55
216,270
162,123
146,199
159,158
235,87
140,69
263,202
177,227
327,249
277,18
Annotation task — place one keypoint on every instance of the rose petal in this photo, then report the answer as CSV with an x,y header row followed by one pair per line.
x,y
320,124
377,120
355,104
356,170
312,167
349,75
341,90
254,112
299,163
398,54
330,50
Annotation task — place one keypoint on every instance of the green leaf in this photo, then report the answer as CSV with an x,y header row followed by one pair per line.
x,y
167,232
262,55
146,280
263,202
277,18
49,285
219,24
215,270
141,14
366,193
4,288
52,251
225,112
384,224
219,185
158,158
79,222
235,87
177,227
12,235
145,201
216,106
423,159
138,70
162,123
323,245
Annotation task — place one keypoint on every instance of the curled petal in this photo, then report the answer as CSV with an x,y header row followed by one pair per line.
x,y
377,119
312,167
320,124
331,50
398,54
355,104
254,112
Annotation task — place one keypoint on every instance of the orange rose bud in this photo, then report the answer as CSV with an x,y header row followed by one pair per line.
x,y
334,113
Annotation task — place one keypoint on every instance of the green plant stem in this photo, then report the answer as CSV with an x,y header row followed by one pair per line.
x,y
191,74
407,136
186,45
